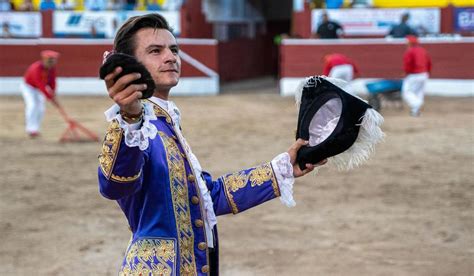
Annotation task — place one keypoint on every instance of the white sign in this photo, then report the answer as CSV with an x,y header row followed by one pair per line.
x,y
104,24
379,21
298,5
20,24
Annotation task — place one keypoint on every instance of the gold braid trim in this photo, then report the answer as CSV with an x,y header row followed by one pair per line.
x,y
125,179
232,183
276,188
110,148
256,177
182,214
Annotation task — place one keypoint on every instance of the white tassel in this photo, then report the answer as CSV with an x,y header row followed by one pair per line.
x,y
337,82
299,92
341,84
370,134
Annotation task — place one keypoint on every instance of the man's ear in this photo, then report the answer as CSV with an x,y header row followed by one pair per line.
x,y
129,65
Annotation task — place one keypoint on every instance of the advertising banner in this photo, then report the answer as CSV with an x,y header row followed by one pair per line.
x,y
20,24
419,3
377,22
464,19
100,24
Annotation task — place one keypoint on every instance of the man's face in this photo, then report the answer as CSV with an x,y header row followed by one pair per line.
x,y
158,50
325,18
49,62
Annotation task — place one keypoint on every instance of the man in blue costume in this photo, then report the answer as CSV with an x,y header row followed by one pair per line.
x,y
148,167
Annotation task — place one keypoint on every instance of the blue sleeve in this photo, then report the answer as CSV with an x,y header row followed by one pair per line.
x,y
237,192
120,167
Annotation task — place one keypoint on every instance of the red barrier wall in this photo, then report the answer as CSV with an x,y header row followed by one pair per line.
x,y
381,60
193,21
234,60
246,58
301,26
47,23
84,60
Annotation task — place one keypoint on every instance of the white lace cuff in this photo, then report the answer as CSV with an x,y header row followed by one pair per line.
x,y
135,136
284,175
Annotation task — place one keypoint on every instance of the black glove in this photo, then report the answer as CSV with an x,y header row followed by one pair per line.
x,y
129,65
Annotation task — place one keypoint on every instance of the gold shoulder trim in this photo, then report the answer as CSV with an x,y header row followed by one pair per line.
x,y
110,148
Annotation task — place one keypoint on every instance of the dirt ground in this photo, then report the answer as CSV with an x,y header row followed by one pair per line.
x,y
409,211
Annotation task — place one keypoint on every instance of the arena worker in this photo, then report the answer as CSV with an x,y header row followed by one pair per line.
x,y
39,84
402,29
417,67
148,167
339,66
329,29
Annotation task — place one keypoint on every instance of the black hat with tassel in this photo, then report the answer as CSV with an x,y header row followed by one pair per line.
x,y
340,127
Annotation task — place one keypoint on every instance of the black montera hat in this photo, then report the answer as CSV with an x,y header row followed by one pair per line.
x,y
340,127
129,65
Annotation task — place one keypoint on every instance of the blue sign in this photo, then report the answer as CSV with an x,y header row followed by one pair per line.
x,y
464,19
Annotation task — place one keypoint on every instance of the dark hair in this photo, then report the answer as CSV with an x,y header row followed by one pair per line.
x,y
405,17
124,40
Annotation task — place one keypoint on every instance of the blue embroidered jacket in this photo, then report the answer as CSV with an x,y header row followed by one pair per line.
x,y
159,195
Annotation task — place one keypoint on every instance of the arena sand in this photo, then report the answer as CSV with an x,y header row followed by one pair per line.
x,y
409,211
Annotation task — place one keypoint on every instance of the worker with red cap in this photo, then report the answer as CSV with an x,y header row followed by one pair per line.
x,y
39,84
341,67
417,67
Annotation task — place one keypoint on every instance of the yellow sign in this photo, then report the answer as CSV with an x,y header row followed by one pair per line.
x,y
421,3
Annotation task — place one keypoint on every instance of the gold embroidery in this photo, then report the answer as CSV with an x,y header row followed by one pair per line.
x,y
187,270
256,177
179,195
110,148
125,178
159,269
260,175
125,271
140,269
230,198
237,181
233,183
160,112
155,256
276,188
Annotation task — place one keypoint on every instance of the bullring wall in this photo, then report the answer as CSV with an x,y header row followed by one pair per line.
x,y
452,58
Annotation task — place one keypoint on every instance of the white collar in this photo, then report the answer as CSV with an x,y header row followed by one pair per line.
x,y
162,103
170,107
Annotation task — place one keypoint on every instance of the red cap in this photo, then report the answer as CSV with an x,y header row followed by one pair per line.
x,y
412,39
49,54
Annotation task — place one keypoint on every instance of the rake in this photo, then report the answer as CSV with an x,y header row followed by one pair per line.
x,y
74,128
